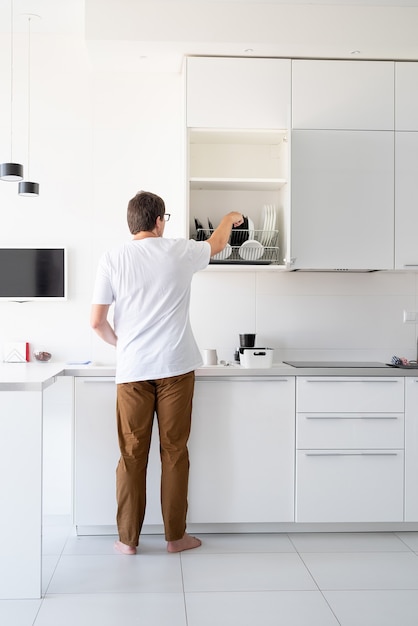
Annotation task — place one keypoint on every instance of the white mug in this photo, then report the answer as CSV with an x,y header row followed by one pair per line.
x,y
210,357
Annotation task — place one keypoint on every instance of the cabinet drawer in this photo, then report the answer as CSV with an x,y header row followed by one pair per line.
x,y
349,486
349,394
350,430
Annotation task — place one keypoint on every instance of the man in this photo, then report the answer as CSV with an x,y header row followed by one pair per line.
x,y
148,279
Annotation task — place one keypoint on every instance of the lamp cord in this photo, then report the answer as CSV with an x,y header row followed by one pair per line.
x,y
29,93
11,80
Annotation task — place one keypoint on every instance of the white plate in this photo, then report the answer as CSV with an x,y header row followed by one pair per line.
x,y
273,218
223,254
265,223
250,229
251,250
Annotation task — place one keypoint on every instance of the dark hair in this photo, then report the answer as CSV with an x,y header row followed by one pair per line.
x,y
143,210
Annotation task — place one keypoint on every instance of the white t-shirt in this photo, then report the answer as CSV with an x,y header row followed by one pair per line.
x,y
149,281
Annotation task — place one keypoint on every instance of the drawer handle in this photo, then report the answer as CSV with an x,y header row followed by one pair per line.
x,y
346,380
351,454
241,379
351,417
100,379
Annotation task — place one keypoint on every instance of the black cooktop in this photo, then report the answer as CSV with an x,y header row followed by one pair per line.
x,y
335,364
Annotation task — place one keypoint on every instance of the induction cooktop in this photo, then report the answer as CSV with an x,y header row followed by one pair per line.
x,y
335,364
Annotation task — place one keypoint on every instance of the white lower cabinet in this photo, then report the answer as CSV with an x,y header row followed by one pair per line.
x,y
241,453
96,453
411,450
350,449
349,486
242,450
349,441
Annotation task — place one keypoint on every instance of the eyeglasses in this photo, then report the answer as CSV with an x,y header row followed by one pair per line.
x,y
166,217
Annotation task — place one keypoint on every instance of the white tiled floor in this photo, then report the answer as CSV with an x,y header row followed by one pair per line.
x,y
296,579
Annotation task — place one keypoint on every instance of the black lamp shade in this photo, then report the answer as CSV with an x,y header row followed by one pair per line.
x,y
11,171
28,189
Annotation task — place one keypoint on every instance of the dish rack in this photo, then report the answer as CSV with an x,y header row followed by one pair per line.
x,y
251,247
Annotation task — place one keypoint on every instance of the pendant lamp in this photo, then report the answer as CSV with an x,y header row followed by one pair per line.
x,y
11,171
27,188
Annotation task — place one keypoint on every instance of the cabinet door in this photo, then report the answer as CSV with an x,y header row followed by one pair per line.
x,y
411,450
349,95
342,200
406,96
242,451
96,456
349,486
238,93
406,200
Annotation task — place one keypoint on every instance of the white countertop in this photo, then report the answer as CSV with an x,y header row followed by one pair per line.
x,y
38,376
28,376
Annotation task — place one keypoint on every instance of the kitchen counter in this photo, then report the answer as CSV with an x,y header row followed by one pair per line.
x,y
22,388
28,376
278,369
38,376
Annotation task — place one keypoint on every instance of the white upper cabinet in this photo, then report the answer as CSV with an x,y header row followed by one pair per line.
x,y
352,95
406,165
238,93
406,200
342,200
406,96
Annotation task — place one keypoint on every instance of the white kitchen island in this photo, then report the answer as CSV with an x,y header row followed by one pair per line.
x,y
22,387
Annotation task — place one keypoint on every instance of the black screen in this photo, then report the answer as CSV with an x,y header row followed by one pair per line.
x,y
32,273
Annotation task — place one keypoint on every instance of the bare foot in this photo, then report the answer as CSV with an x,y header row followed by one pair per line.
x,y
122,548
186,543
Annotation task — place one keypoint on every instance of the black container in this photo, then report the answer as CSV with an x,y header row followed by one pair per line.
x,y
247,340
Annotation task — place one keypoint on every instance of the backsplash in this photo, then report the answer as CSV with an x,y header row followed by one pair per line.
x,y
307,315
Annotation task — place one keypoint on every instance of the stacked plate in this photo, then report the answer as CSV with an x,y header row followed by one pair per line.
x,y
251,250
268,224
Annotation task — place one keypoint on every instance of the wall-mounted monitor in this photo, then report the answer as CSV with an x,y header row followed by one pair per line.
x,y
33,273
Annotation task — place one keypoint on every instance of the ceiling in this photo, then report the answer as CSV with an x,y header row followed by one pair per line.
x,y
154,35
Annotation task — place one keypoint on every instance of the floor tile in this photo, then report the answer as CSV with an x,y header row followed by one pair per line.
x,y
375,608
18,612
347,542
49,564
117,573
269,608
150,609
348,571
233,543
244,572
410,539
54,539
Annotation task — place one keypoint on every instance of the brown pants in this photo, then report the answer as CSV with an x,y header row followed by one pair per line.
x,y
171,400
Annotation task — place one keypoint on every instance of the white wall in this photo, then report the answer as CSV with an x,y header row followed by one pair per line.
x,y
98,137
